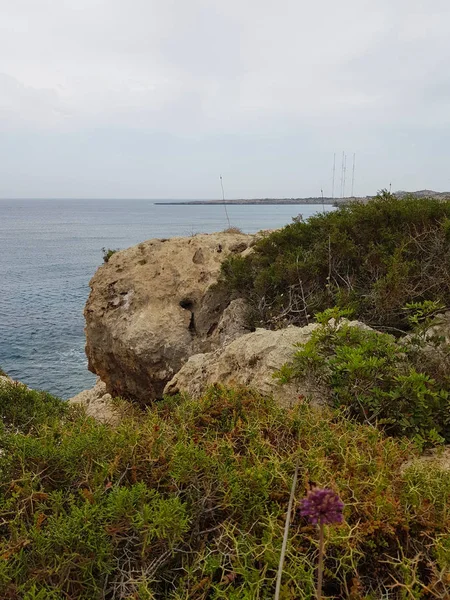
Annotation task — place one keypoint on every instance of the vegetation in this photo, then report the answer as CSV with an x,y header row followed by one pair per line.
x,y
188,500
108,252
373,258
377,379
22,409
232,230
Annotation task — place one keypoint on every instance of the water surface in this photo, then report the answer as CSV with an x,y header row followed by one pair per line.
x,y
49,249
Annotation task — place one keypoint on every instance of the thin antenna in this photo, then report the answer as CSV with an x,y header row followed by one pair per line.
x,y
334,171
345,173
224,205
353,174
342,175
323,205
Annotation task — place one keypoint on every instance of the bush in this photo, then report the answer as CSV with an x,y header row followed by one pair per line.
x,y
232,230
108,252
24,409
375,378
372,257
188,500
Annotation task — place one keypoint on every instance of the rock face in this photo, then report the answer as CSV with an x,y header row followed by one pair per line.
x,y
154,305
436,458
249,361
97,404
5,380
440,327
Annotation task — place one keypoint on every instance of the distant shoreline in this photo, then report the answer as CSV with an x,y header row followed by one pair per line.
x,y
262,201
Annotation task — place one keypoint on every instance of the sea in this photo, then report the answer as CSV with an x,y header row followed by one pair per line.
x,y
50,249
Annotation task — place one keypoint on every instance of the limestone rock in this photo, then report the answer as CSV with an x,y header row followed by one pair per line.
x,y
154,305
97,404
435,458
233,322
440,327
4,379
249,360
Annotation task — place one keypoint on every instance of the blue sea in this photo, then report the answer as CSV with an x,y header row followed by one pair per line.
x,y
49,250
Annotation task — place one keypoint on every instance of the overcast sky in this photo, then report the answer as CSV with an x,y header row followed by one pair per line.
x,y
157,98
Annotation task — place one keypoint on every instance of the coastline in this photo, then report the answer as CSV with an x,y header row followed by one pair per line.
x,y
262,202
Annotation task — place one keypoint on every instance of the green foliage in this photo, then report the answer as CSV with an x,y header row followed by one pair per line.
x,y
421,314
188,500
108,252
23,409
373,258
374,378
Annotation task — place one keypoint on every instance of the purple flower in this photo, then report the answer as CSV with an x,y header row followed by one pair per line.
x,y
322,506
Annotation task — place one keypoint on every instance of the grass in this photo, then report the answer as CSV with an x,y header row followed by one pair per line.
x,y
188,500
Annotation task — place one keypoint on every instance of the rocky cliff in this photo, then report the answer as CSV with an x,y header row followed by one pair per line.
x,y
250,361
154,305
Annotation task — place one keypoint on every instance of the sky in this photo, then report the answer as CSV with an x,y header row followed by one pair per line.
x,y
158,98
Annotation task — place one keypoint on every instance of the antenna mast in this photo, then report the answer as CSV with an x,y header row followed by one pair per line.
x,y
342,175
334,171
223,200
353,174
345,173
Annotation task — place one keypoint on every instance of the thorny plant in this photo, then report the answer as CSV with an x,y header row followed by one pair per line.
x,y
188,500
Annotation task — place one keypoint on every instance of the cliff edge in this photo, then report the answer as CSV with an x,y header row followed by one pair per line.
x,y
154,305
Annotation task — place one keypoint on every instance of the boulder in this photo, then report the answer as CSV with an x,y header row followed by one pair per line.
x,y
434,458
97,403
250,360
154,305
440,328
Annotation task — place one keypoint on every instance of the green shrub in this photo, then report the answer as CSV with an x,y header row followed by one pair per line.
x,y
374,378
23,409
108,252
372,257
188,500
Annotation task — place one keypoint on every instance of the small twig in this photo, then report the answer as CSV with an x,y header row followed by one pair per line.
x,y
286,534
320,567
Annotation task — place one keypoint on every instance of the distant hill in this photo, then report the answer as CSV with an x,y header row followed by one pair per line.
x,y
423,194
311,200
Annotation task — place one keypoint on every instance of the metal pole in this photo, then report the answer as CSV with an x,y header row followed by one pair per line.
x,y
345,172
224,205
353,173
334,171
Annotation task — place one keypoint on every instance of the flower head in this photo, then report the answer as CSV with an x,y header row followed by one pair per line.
x,y
322,506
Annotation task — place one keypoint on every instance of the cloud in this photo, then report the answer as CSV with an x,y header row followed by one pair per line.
x,y
230,83
25,106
